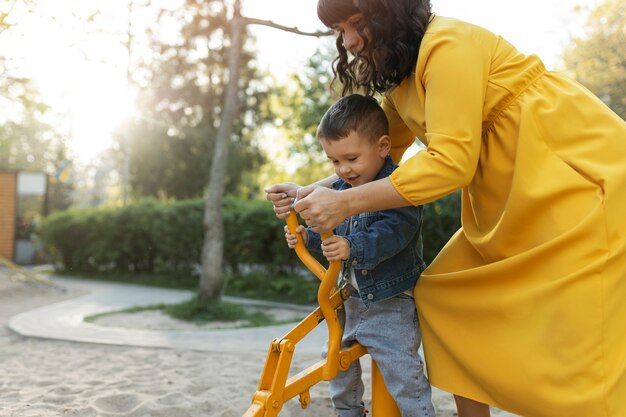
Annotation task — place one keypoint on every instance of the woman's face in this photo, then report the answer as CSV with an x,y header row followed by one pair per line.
x,y
349,30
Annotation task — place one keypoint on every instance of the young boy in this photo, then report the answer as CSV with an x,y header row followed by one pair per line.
x,y
382,260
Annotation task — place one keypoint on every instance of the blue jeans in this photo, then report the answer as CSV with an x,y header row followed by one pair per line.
x,y
389,330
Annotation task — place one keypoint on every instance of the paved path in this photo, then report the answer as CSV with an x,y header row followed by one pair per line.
x,y
64,321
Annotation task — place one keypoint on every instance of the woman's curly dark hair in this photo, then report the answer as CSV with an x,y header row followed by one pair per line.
x,y
395,29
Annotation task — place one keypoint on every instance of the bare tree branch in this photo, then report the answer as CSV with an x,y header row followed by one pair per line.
x,y
253,21
5,15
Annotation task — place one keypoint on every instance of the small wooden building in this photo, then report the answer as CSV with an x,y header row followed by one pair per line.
x,y
8,199
22,202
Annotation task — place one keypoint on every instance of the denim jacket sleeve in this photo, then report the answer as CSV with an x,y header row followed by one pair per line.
x,y
385,237
314,241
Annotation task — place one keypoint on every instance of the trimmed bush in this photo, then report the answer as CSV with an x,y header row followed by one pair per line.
x,y
164,238
151,237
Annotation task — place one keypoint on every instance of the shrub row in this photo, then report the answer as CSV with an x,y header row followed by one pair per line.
x,y
154,237
166,238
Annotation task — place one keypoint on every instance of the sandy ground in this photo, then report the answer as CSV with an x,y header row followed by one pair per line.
x,y
44,378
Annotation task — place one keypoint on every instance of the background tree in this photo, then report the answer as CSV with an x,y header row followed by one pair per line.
x,y
212,252
28,138
598,58
8,10
182,86
302,108
27,141
213,246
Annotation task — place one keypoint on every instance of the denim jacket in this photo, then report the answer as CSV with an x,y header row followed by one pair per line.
x,y
385,246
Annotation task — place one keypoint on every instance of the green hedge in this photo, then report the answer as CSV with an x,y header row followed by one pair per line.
x,y
166,238
154,237
442,218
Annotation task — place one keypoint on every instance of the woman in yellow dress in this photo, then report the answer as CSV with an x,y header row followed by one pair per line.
x,y
525,307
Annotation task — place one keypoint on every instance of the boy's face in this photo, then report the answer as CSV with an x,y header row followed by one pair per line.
x,y
357,160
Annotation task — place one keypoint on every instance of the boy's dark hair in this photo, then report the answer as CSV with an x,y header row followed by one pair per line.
x,y
396,29
355,112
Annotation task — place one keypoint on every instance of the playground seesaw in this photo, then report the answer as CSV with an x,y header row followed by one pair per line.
x,y
276,387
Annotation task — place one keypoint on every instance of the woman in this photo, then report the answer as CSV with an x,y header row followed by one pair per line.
x,y
524,307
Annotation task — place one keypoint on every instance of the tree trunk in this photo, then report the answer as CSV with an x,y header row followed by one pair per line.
x,y
210,286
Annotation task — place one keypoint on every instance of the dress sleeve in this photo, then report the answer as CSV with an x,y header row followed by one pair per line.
x,y
453,70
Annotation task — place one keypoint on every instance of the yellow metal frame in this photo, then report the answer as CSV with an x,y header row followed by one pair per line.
x,y
275,387
18,273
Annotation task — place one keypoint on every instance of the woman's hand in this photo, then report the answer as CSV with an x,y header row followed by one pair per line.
x,y
322,208
282,197
292,240
336,248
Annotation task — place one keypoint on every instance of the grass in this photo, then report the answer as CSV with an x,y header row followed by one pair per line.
x,y
179,282
291,289
202,312
198,311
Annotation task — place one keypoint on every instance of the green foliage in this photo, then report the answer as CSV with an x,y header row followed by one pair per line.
x,y
198,311
301,110
253,235
27,140
163,238
292,289
146,237
442,218
597,59
175,281
171,142
145,241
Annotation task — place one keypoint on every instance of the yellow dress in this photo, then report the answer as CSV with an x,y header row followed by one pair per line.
x,y
525,307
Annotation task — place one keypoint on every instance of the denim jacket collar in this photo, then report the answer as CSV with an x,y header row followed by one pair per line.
x,y
385,246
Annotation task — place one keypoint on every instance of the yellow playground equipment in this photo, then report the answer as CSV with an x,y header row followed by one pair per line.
x,y
17,273
275,387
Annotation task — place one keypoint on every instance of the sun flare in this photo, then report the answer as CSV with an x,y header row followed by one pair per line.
x,y
81,75
99,103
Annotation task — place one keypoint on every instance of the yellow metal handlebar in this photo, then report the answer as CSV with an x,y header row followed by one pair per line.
x,y
275,386
329,279
307,259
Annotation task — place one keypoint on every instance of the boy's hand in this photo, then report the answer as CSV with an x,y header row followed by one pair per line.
x,y
282,197
336,248
291,238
